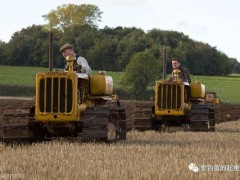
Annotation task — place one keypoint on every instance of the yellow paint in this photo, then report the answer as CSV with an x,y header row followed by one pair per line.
x,y
57,116
101,84
197,90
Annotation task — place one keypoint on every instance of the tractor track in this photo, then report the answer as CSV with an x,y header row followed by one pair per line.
x,y
224,112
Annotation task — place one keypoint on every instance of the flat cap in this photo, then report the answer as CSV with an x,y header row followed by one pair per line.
x,y
65,46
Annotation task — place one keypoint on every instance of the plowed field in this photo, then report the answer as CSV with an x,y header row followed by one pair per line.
x,y
224,112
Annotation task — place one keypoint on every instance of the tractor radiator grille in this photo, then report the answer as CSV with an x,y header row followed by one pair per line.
x,y
169,96
55,95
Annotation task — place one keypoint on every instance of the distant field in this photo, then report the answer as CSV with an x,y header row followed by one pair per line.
x,y
25,76
22,76
227,88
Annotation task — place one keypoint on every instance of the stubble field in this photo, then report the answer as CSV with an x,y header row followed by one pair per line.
x,y
144,155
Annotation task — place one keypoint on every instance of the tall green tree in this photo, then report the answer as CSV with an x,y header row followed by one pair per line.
x,y
236,66
132,43
82,37
69,15
29,47
143,69
102,56
2,52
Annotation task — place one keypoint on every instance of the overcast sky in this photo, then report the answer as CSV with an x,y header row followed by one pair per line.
x,y
216,22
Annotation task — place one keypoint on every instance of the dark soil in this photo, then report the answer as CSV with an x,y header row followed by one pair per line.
x,y
224,112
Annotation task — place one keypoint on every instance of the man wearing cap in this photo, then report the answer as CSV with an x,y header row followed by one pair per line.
x,y
80,64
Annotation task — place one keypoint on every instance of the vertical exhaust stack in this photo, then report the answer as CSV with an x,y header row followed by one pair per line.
x,y
50,60
164,64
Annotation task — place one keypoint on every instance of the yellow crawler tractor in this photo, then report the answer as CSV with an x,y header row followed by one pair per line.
x,y
177,104
67,104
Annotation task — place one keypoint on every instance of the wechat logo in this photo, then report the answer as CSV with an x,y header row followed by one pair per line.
x,y
193,167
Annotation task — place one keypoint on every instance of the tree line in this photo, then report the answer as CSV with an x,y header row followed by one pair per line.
x,y
109,49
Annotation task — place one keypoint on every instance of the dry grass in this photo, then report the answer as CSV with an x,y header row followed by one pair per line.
x,y
148,155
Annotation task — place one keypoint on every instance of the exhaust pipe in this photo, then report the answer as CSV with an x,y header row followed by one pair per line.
x,y
164,64
50,58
